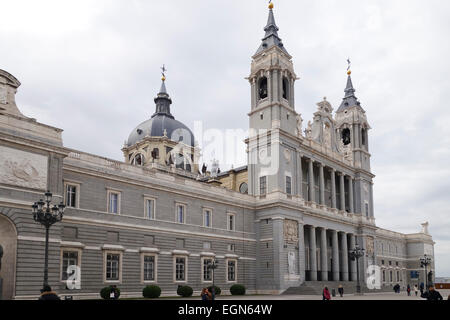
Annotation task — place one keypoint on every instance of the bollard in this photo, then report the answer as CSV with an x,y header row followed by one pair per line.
x,y
333,292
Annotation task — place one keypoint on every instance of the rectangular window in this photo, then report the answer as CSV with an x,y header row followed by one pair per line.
x,y
180,269
288,185
207,271
181,212
384,275
113,202
69,258
231,270
112,267
262,186
390,276
149,268
230,222
207,218
231,247
150,209
71,196
382,262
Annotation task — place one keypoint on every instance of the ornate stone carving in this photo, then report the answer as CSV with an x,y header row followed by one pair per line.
x,y
370,246
23,169
291,231
287,155
3,94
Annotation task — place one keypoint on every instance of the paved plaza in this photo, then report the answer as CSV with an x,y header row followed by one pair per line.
x,y
366,296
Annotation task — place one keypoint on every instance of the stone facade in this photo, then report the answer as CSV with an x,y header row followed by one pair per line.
x,y
135,224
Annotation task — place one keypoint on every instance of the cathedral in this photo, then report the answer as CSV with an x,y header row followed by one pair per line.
x,y
285,223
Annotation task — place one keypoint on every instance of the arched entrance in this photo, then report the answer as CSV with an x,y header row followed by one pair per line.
x,y
8,240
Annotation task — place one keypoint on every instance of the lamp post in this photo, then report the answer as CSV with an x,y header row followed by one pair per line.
x,y
45,214
213,265
355,254
424,262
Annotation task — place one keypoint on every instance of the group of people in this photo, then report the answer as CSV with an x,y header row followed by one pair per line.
x,y
431,294
326,293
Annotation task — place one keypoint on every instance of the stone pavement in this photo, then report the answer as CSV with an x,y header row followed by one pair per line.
x,y
366,296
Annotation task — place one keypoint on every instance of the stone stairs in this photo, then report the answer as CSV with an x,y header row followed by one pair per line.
x,y
316,288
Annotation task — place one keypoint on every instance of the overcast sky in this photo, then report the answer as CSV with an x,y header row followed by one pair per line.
x,y
92,69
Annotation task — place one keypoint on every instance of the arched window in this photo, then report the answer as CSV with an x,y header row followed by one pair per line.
x,y
363,136
346,136
138,160
262,88
285,88
155,153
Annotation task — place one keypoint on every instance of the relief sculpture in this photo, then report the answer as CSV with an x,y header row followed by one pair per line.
x,y
23,168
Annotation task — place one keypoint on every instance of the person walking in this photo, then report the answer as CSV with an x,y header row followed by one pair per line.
x,y
48,294
421,288
416,289
408,289
341,290
326,294
431,294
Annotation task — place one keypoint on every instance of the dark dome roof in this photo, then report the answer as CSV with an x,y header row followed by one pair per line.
x,y
155,127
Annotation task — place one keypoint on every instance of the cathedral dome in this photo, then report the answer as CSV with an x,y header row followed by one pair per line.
x,y
162,123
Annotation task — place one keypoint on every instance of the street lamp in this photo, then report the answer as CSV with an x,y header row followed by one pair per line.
x,y
355,254
45,214
424,262
213,265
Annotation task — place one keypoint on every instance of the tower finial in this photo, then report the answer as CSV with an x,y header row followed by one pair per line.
x,y
163,68
270,5
349,72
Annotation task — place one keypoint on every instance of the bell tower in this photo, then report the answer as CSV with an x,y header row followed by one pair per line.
x,y
353,128
275,126
352,132
272,80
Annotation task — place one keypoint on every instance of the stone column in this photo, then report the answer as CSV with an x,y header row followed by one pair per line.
x,y
299,175
276,86
278,249
344,257
323,254
352,263
311,181
312,254
335,255
350,194
253,96
301,251
342,190
269,86
322,184
333,188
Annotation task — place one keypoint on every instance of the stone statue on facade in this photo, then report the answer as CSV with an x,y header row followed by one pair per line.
x,y
291,262
425,227
308,130
299,125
